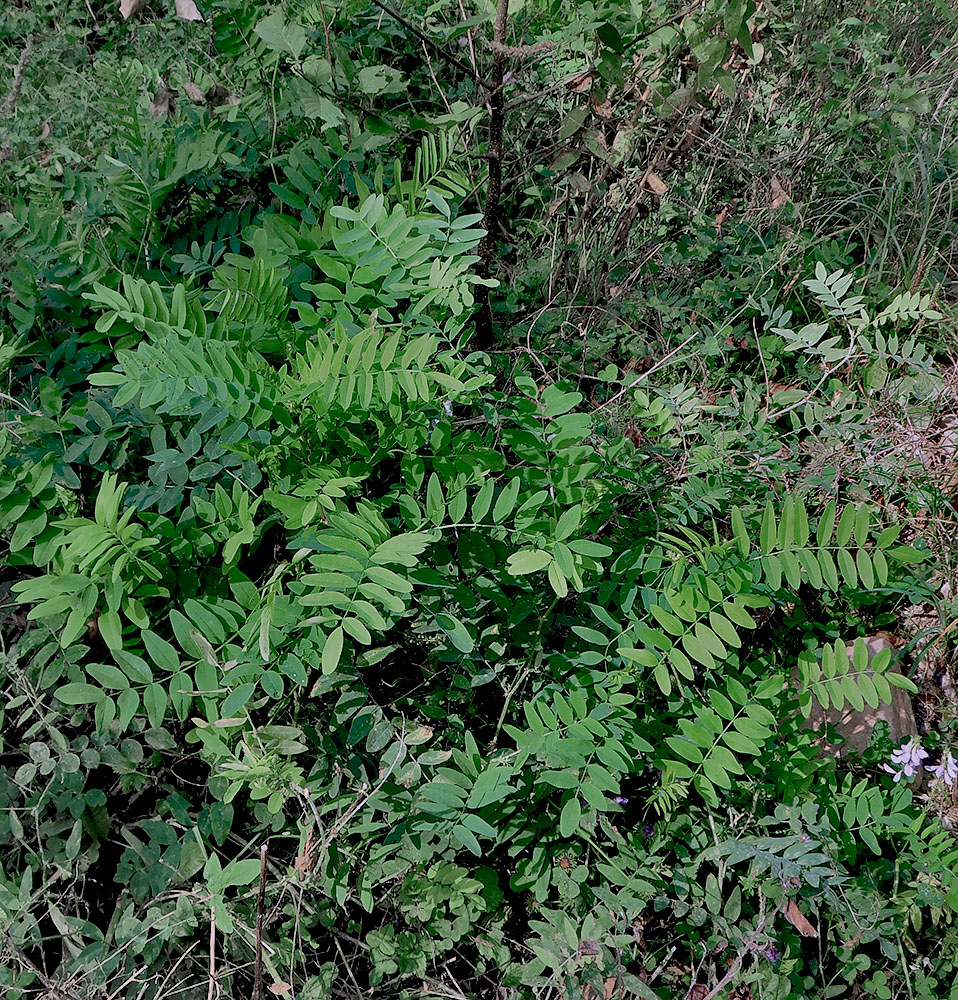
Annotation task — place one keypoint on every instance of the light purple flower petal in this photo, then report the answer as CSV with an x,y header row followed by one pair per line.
x,y
946,770
908,758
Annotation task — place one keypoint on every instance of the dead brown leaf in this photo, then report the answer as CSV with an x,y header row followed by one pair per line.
x,y
280,989
798,920
709,395
851,942
691,134
620,143
194,93
305,861
218,95
164,101
722,216
603,109
186,9
45,131
580,182
581,82
776,387
778,195
555,205
698,992
639,934
634,434
608,990
130,7
653,183
738,343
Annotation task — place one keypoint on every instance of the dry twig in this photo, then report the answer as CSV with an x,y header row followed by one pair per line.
x,y
260,903
437,48
497,115
18,75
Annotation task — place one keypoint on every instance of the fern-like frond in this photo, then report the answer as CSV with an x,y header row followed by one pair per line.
x,y
376,368
189,376
436,167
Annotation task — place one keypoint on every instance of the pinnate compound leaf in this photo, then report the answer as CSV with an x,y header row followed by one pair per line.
x,y
685,749
333,650
900,681
467,838
740,532
506,501
80,694
570,816
458,633
826,524
160,651
593,796
527,561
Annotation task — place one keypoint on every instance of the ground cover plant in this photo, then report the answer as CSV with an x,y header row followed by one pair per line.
x,y
460,463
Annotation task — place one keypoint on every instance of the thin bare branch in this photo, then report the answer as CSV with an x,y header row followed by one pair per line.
x,y
433,44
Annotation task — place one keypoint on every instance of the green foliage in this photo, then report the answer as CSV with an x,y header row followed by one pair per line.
x,y
503,659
